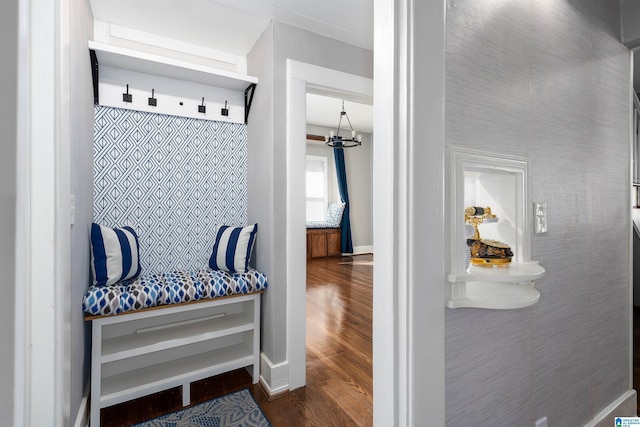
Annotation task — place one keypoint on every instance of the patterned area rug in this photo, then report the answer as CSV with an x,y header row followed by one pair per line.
x,y
237,409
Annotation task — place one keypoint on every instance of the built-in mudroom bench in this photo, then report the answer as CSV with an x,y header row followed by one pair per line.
x,y
139,353
173,298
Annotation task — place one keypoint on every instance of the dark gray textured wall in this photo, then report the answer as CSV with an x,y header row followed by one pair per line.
x,y
8,118
546,80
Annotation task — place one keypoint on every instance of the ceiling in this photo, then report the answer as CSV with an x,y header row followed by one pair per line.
x,y
235,25
325,111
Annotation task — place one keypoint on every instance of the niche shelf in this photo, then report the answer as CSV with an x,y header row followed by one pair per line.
x,y
499,181
515,272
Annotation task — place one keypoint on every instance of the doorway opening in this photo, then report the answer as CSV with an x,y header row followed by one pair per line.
x,y
303,78
339,286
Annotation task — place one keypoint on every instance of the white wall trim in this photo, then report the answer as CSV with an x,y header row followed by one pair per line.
x,y
273,378
62,219
300,74
42,383
623,406
296,263
408,373
425,118
40,308
332,81
81,418
360,250
23,213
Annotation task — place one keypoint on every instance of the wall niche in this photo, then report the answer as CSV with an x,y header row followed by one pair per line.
x,y
489,228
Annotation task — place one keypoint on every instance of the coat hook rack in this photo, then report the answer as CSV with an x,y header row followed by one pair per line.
x,y
225,110
153,101
202,108
127,97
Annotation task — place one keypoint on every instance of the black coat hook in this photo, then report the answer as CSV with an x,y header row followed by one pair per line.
x,y
225,110
153,101
127,97
202,108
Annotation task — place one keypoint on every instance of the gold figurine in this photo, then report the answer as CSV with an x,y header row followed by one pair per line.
x,y
485,252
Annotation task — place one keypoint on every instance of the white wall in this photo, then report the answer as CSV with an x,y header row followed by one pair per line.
x,y
260,160
358,162
8,117
81,162
267,156
567,357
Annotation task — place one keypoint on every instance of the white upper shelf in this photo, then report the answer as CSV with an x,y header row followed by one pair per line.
x,y
143,62
511,273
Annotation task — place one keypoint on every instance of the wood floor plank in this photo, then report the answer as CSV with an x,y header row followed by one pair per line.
x,y
339,359
339,348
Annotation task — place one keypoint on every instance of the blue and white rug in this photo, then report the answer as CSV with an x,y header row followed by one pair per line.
x,y
237,409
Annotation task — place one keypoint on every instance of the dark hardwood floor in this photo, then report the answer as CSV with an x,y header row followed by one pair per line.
x,y
339,359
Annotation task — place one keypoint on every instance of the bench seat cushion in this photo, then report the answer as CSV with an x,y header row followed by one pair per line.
x,y
150,290
320,224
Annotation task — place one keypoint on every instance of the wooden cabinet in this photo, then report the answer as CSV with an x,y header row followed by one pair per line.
x,y
139,353
323,242
333,242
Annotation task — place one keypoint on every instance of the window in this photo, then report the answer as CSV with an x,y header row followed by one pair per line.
x,y
316,188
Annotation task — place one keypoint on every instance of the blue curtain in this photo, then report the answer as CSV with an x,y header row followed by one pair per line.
x,y
346,245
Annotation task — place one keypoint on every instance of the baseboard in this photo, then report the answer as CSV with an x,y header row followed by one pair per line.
x,y
82,419
271,396
360,250
623,406
274,378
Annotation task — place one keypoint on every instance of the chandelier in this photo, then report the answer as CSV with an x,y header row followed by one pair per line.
x,y
334,139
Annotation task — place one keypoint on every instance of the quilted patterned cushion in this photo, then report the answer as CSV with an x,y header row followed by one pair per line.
x,y
143,292
257,281
181,286
216,283
320,224
102,300
175,287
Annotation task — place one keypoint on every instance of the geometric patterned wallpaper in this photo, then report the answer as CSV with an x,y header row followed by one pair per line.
x,y
173,179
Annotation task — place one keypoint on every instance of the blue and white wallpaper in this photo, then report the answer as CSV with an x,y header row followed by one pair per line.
x,y
173,179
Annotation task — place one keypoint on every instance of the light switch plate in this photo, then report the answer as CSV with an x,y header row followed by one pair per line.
x,y
72,209
540,217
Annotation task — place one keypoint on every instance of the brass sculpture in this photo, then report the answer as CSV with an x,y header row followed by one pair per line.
x,y
485,252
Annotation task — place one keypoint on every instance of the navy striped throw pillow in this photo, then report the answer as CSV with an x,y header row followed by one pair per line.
x,y
232,248
114,254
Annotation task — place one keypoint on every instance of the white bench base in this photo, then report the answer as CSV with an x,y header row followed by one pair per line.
x,y
139,353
